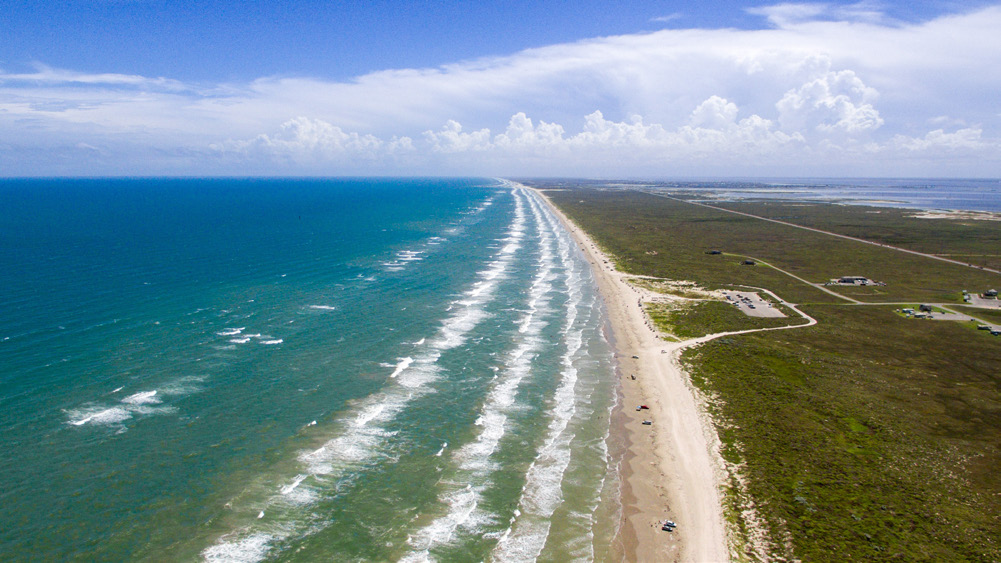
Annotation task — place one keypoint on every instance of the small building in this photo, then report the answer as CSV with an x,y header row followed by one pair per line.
x,y
991,293
853,280
925,308
748,262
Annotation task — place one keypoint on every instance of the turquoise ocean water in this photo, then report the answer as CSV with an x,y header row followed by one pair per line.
x,y
299,370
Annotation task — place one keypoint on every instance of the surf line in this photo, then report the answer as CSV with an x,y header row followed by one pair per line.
x,y
365,434
541,494
473,467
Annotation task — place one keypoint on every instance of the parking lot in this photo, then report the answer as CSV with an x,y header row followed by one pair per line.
x,y
752,305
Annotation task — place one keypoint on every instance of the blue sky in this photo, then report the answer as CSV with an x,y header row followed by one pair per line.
x,y
634,88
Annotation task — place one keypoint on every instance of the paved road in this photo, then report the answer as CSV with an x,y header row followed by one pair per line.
x,y
807,282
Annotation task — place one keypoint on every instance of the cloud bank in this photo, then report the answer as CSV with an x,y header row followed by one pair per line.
x,y
819,91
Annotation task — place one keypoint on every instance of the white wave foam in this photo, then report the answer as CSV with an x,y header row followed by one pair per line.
x,y
474,464
231,331
323,307
410,255
461,504
182,386
361,439
272,342
100,416
240,340
254,547
142,403
368,414
542,493
146,397
295,494
403,364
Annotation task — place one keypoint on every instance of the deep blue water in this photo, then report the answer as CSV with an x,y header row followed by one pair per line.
x,y
298,370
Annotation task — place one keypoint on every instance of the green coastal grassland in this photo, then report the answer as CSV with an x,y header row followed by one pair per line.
x,y
965,239
644,224
699,318
868,436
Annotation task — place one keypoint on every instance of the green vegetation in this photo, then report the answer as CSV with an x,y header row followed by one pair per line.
x,y
886,453
967,240
699,318
865,437
651,235
993,315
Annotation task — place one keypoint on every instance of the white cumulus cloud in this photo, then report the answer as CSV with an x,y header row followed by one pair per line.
x,y
834,101
826,86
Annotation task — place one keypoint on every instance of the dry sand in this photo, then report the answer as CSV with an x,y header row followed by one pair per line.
x,y
671,469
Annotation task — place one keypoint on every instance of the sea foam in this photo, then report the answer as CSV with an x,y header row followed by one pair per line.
x,y
474,465
361,439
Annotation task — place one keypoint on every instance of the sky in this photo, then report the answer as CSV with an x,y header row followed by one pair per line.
x,y
630,89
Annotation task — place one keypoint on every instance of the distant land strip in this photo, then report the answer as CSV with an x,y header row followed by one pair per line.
x,y
933,256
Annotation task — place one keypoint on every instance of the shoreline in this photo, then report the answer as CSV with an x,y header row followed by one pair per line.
x,y
670,469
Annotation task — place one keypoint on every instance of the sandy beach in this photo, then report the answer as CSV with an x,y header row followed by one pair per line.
x,y
670,469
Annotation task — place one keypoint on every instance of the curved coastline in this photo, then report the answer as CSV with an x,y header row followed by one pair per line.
x,y
672,468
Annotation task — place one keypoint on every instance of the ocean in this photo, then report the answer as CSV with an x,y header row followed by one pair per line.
x,y
299,370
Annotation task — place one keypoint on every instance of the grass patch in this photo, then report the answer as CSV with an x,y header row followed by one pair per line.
x,y
698,318
986,314
886,453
